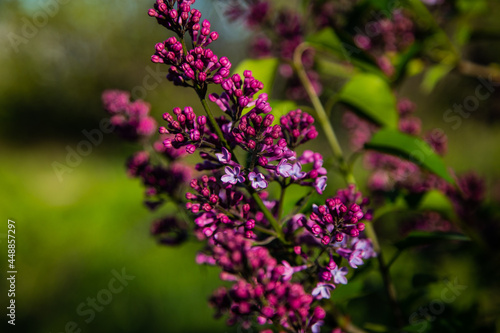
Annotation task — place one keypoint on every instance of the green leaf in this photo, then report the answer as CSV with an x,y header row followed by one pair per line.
x,y
418,238
371,97
433,75
263,70
437,201
410,148
280,108
327,39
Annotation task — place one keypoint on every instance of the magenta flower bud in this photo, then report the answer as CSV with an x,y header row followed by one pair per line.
x,y
190,149
250,131
319,313
179,137
339,237
195,135
162,130
325,275
360,226
224,61
201,120
250,224
268,120
167,143
316,229
251,144
190,196
172,14
205,192
224,72
354,232
214,198
214,36
202,77
152,12
326,240
247,74
206,207
163,7
263,161
156,59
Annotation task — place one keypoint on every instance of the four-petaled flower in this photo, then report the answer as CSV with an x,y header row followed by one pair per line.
x,y
284,169
322,290
258,180
339,275
224,157
296,172
290,270
320,184
232,176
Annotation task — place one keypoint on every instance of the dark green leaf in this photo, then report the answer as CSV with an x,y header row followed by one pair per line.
x,y
371,97
263,70
281,108
410,148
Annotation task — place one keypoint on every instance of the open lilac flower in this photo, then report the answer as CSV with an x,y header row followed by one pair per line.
x,y
284,169
322,290
296,172
258,180
224,157
232,176
320,184
290,270
339,275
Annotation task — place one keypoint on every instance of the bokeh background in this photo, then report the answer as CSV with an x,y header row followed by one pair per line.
x,y
74,229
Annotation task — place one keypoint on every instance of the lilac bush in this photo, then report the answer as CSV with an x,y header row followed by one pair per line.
x,y
280,265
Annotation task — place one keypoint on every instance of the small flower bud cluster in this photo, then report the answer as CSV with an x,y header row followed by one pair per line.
x,y
331,222
189,130
130,119
169,231
255,132
239,94
159,180
180,19
298,128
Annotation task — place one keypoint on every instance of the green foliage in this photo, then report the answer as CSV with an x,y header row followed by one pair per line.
x,y
410,148
372,98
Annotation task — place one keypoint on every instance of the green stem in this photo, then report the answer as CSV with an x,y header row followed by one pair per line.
x,y
282,200
321,113
212,120
269,216
348,176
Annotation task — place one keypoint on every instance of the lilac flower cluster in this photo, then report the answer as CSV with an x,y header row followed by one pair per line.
x,y
197,66
131,119
228,200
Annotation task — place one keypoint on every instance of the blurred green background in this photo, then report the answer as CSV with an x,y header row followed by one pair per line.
x,y
73,231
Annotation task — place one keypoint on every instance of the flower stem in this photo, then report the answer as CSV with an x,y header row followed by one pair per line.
x,y
269,216
321,113
348,176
